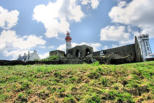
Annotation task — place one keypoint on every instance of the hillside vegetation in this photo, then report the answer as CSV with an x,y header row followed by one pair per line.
x,y
83,83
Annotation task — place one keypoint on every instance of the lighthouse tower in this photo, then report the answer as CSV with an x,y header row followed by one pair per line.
x,y
68,41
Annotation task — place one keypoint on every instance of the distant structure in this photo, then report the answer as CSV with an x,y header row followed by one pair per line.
x,y
80,51
60,53
144,46
29,57
68,41
136,52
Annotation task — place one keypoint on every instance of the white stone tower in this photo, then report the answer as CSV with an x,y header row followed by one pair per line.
x,y
68,41
144,45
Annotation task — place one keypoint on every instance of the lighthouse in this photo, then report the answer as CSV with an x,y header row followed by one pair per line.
x,y
68,41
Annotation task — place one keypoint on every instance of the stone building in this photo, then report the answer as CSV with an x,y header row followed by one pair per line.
x,y
29,57
144,45
80,51
139,51
58,53
136,52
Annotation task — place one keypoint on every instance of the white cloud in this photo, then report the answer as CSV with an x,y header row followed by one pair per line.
x,y
62,47
51,47
115,46
130,41
105,47
95,46
13,45
45,55
114,33
8,19
56,16
14,53
137,13
94,3
8,38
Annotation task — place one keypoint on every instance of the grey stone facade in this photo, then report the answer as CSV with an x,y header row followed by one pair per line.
x,y
80,52
57,52
84,53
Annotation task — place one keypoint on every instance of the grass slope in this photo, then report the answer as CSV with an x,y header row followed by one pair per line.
x,y
85,83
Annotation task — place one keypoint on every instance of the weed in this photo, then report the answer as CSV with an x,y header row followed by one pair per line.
x,y
104,82
94,75
3,97
43,94
94,99
69,99
25,85
96,63
91,83
22,98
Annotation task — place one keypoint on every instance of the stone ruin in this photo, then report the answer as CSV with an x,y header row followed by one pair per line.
x,y
137,52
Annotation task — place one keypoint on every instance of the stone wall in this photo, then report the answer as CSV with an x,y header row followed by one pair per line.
x,y
57,52
123,51
138,51
80,51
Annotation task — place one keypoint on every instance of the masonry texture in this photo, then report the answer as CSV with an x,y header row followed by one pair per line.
x,y
137,52
80,51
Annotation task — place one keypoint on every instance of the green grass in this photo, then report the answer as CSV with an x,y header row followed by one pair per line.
x,y
82,83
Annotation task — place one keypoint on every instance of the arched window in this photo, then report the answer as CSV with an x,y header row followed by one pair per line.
x,y
78,54
88,51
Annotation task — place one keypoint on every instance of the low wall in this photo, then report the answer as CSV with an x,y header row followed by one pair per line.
x,y
16,62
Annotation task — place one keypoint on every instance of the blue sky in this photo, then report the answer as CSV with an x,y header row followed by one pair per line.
x,y
42,24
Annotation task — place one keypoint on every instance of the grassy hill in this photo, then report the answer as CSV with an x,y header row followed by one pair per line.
x,y
85,83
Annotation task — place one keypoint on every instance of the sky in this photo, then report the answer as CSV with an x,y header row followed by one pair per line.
x,y
28,25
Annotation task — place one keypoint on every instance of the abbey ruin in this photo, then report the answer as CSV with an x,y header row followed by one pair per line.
x,y
137,52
